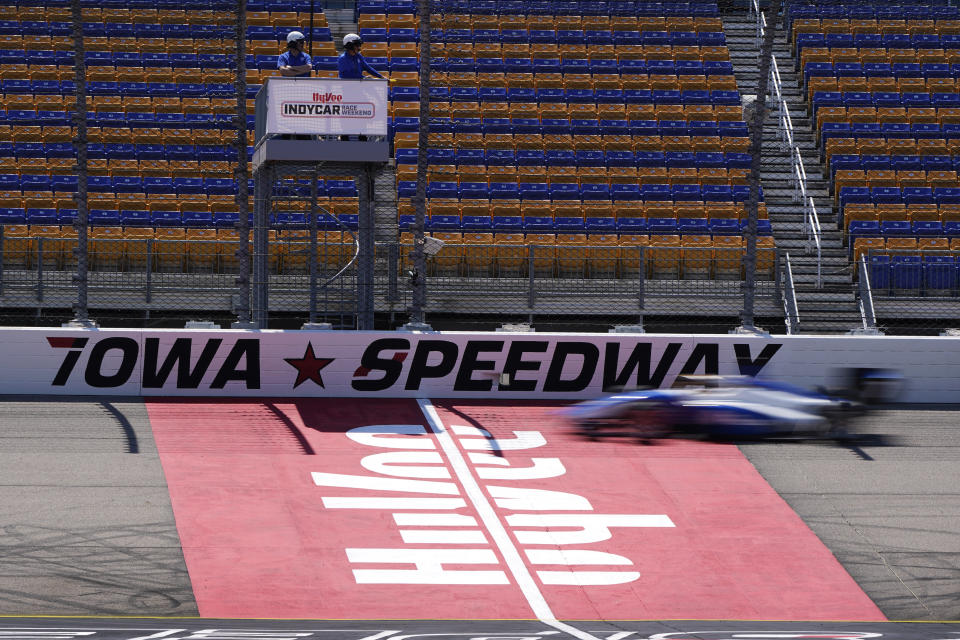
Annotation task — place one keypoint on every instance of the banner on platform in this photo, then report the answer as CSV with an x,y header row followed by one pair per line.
x,y
318,106
399,364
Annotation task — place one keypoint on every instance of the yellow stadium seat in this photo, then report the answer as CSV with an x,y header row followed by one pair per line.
x,y
664,256
18,247
106,248
170,250
201,250
479,253
571,254
728,255
697,257
448,259
511,254
138,248
48,247
603,255
633,254
542,254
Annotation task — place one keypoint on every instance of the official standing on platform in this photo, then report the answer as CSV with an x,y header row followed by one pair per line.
x,y
351,63
294,62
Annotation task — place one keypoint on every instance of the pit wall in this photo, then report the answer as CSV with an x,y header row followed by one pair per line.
x,y
443,365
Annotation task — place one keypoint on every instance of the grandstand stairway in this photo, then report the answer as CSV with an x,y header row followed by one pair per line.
x,y
342,22
831,308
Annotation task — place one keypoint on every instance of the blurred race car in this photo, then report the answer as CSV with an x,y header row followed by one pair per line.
x,y
734,408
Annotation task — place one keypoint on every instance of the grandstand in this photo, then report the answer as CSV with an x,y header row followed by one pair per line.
x,y
879,80
586,144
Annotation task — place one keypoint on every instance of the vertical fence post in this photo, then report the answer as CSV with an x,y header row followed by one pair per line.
x,y
755,123
365,266
40,291
641,283
148,294
419,301
265,179
312,252
1,259
531,281
80,308
242,174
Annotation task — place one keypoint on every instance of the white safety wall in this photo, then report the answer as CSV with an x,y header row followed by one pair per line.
x,y
400,364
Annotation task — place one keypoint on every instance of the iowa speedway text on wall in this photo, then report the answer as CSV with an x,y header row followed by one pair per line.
x,y
554,366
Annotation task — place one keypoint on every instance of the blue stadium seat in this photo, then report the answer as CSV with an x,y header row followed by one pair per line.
x,y
906,272
504,191
135,218
185,186
686,192
697,226
406,188
13,216
501,158
104,217
940,272
895,228
595,192
569,224
666,226
477,223
533,224
600,225
564,191
724,227
632,225
879,272
656,192
166,218
225,219
198,218
863,229
530,157
508,223
472,190
468,156
443,223
534,191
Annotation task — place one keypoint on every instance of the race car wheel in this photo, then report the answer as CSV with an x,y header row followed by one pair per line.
x,y
647,421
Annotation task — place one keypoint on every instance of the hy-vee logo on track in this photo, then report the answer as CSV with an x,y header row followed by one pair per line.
x,y
423,479
436,365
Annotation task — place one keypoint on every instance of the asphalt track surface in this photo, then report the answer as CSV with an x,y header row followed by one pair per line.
x,y
87,529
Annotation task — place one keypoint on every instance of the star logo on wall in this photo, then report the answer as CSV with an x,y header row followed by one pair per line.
x,y
308,367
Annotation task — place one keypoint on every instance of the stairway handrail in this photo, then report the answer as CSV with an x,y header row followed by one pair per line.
x,y
811,222
790,309
867,315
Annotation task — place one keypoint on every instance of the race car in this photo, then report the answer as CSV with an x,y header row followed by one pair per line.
x,y
734,408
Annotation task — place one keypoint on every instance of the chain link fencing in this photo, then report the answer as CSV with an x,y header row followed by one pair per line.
x,y
910,292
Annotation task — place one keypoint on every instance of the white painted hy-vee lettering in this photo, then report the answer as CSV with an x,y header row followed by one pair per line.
x,y
417,462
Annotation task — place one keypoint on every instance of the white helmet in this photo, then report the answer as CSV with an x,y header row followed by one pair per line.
x,y
295,36
351,39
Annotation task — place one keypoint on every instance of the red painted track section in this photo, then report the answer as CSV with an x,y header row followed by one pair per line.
x,y
263,537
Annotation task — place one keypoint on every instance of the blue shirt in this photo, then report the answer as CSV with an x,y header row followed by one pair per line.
x,y
290,59
352,67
